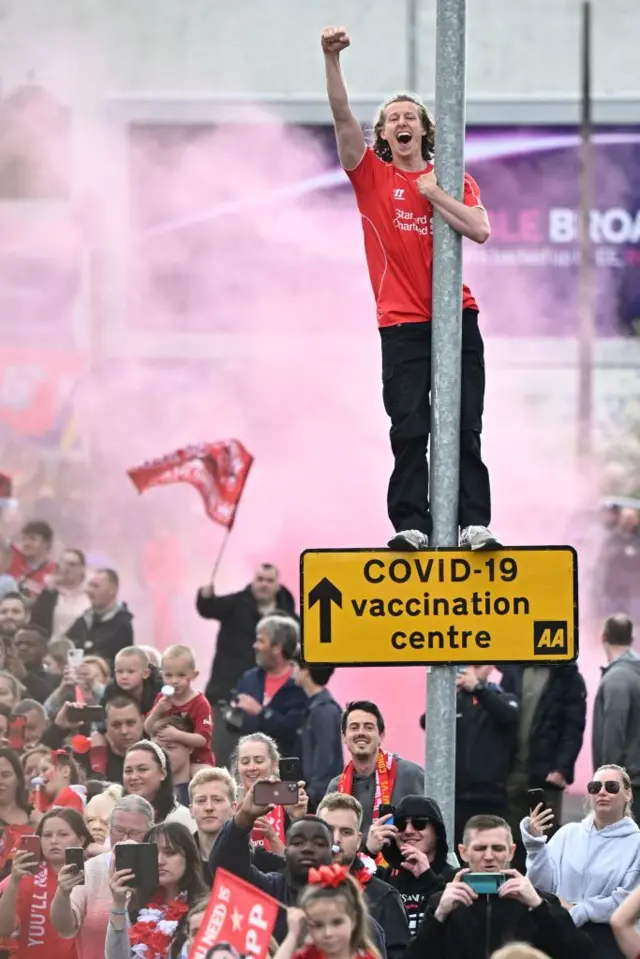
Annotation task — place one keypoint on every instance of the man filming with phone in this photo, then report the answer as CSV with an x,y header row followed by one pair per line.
x,y
488,904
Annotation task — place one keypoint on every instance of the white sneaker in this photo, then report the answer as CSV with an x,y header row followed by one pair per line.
x,y
479,537
409,540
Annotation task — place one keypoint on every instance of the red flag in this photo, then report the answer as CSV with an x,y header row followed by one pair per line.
x,y
239,914
217,470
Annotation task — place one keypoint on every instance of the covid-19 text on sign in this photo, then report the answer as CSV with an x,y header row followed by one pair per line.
x,y
381,607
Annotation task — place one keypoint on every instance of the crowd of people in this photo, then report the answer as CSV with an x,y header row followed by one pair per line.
x,y
107,745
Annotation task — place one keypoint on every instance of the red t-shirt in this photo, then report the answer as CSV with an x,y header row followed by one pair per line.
x,y
68,799
272,684
36,936
398,238
25,574
198,711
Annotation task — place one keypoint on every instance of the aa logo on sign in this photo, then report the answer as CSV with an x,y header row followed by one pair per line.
x,y
550,638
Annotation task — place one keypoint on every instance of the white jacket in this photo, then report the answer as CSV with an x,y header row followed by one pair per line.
x,y
594,868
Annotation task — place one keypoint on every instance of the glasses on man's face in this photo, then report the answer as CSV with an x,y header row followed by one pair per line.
x,y
612,786
418,822
119,834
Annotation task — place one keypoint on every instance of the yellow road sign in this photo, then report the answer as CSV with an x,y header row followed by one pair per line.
x,y
380,607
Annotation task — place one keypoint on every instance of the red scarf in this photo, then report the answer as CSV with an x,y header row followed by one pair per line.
x,y
386,769
363,870
37,937
276,818
148,931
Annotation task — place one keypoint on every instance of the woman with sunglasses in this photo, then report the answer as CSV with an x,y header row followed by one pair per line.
x,y
590,865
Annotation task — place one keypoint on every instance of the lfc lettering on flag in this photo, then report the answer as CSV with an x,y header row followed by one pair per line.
x,y
239,914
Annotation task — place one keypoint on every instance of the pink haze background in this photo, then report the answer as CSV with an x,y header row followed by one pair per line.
x,y
293,372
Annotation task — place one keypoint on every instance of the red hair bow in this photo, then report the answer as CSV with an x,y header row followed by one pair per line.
x,y
81,745
328,876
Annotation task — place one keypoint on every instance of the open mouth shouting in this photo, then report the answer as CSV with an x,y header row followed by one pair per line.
x,y
404,137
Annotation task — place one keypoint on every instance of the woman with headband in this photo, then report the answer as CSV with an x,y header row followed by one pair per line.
x,y
147,773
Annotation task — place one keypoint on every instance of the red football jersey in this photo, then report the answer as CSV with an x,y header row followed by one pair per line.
x,y
198,711
398,239
25,575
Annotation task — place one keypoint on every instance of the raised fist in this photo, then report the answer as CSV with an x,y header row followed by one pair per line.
x,y
334,39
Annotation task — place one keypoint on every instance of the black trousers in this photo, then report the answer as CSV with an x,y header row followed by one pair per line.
x,y
406,386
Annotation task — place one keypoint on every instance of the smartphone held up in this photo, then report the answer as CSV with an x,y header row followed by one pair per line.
x,y
276,793
31,845
74,856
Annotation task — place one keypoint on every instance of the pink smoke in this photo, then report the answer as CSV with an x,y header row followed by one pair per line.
x,y
259,323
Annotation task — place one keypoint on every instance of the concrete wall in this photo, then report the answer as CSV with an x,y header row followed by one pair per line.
x,y
517,48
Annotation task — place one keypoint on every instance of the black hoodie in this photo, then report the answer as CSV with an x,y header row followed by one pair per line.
x,y
414,892
238,615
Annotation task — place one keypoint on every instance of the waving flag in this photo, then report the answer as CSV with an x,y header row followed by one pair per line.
x,y
217,470
238,914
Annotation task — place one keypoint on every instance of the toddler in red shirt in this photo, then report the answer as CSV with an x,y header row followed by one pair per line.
x,y
178,697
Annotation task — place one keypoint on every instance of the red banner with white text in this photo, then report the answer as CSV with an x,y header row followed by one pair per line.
x,y
237,914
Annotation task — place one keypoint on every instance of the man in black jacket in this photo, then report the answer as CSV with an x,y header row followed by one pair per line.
x,y
486,737
414,844
343,814
238,615
309,845
463,924
106,627
553,712
320,732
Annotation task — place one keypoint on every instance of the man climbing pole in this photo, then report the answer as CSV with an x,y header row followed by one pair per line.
x,y
397,192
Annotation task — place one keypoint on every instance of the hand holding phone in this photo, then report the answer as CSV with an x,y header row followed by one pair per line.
x,y
82,713
31,846
75,658
74,856
141,858
541,816
484,883
387,809
276,793
290,769
536,798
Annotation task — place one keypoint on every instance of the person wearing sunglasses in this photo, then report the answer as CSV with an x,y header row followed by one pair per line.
x,y
590,865
414,844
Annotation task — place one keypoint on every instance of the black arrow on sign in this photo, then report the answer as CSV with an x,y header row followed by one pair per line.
x,y
325,593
